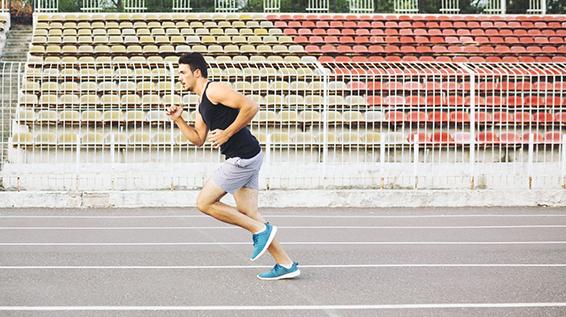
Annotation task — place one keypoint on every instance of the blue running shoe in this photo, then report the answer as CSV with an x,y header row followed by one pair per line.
x,y
279,272
262,240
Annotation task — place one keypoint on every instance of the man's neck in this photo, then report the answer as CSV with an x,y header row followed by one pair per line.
x,y
200,87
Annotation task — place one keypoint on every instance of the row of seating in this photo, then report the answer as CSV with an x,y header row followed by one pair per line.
x,y
498,21
419,39
278,85
432,33
286,117
154,24
442,59
130,99
432,24
294,139
145,34
222,60
158,17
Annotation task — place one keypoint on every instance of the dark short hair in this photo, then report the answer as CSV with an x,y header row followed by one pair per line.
x,y
195,61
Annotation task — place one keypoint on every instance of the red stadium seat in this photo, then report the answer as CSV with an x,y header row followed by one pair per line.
x,y
460,117
395,116
419,137
483,117
375,101
502,117
543,117
439,117
416,117
537,137
509,138
441,138
553,137
357,85
560,117
487,137
522,117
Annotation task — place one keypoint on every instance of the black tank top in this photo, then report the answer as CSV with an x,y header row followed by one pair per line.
x,y
242,144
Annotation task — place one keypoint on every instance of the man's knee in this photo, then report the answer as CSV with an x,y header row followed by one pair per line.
x,y
203,205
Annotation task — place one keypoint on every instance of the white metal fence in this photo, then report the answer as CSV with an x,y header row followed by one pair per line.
x,y
450,6
226,5
406,6
182,6
495,7
102,125
271,5
537,7
134,6
46,5
91,6
361,6
321,6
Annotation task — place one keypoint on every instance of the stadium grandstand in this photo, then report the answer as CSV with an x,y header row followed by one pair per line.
x,y
352,94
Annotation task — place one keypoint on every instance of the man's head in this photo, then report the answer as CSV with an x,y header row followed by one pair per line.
x,y
192,67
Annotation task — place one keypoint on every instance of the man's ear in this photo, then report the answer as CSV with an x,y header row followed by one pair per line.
x,y
197,73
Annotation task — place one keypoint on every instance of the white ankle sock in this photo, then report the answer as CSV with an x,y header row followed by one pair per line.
x,y
262,230
288,266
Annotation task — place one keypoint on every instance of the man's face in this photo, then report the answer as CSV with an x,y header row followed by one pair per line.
x,y
187,77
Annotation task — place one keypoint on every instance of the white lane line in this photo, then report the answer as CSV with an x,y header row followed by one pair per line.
x,y
287,216
286,307
280,227
284,243
224,267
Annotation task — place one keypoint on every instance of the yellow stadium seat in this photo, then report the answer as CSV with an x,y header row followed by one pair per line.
x,y
68,100
139,138
130,100
89,100
25,116
303,138
113,116
48,101
352,116
92,138
279,138
371,138
135,116
22,138
110,100
286,116
70,117
45,138
68,138
309,116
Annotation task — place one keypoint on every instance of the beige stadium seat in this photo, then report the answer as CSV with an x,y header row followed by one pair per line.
x,y
161,138
258,86
25,116
89,101
260,136
138,60
303,138
151,49
314,100
208,40
130,100
110,100
107,86
116,138
22,138
92,138
279,138
274,100
157,117
248,49
254,40
69,49
70,117
45,138
299,86
355,101
191,99
102,49
53,50
395,138
280,49
309,116
242,86
113,116
139,138
286,71
125,87
68,138
120,59
69,100
371,138
146,87
154,59
238,39
337,85
374,116
350,137
352,116
151,100
49,87
265,116
231,32
168,100
286,116
279,85
275,59
240,59
48,101
85,49
330,138
135,116
231,49
254,72
215,49
296,49
223,59
260,100
31,87
294,100
333,117
216,32
246,32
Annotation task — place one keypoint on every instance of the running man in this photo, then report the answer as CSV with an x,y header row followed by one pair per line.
x,y
226,113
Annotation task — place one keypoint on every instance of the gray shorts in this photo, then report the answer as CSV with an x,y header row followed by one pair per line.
x,y
236,173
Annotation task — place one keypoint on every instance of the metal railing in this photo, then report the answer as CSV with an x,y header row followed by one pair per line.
x,y
363,125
